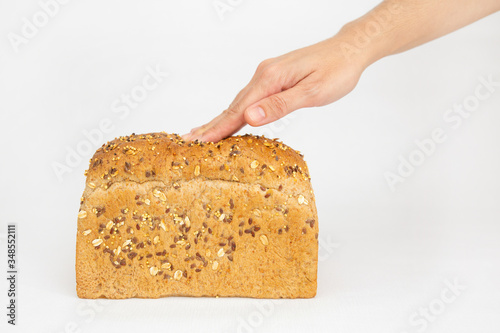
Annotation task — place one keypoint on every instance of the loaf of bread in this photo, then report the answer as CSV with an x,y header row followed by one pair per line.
x,y
163,217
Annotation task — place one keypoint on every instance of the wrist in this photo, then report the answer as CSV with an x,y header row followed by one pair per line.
x,y
370,37
358,47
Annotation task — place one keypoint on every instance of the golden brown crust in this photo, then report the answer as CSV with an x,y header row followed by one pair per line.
x,y
162,217
166,157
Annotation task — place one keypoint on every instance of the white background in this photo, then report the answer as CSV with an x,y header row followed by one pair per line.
x,y
384,254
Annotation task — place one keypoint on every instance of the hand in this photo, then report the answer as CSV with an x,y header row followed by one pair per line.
x,y
312,76
323,73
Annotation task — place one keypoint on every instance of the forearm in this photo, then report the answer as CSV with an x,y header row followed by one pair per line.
x,y
398,25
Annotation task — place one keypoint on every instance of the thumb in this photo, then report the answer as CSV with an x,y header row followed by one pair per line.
x,y
275,106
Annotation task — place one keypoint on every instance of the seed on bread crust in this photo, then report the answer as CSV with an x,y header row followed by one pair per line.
x,y
82,214
163,226
302,200
311,222
178,275
97,242
159,194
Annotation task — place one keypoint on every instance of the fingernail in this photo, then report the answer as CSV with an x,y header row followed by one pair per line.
x,y
256,114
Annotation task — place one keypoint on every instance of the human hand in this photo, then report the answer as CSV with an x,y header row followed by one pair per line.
x,y
324,72
312,76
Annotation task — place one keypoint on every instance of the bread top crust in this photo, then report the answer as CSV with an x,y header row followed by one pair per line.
x,y
168,158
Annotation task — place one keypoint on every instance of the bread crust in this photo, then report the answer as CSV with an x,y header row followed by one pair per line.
x,y
163,217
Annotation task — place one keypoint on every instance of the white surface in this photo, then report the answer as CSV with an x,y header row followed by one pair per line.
x,y
390,253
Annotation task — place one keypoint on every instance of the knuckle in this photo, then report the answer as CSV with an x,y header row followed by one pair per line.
x,y
233,109
270,72
312,92
277,105
263,64
229,112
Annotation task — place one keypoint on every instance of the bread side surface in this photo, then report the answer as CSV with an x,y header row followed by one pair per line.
x,y
162,217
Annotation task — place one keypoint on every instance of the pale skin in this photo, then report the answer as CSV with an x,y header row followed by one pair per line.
x,y
322,73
